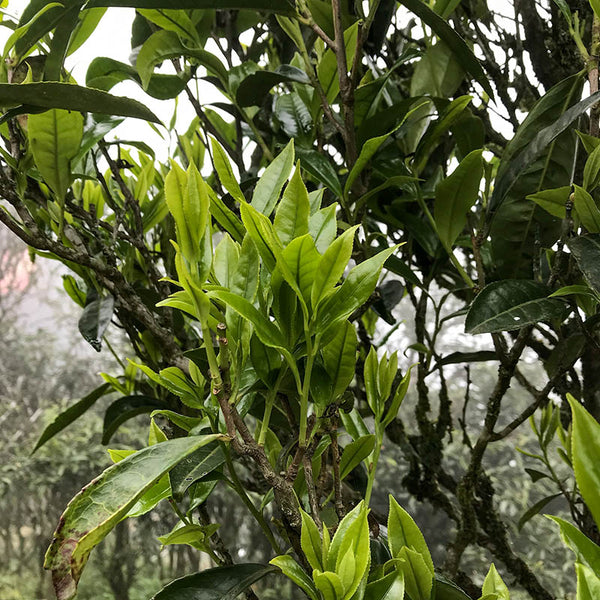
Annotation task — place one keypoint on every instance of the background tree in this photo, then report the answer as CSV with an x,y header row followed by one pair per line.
x,y
394,122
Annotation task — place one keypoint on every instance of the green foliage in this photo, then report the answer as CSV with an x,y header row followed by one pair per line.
x,y
349,166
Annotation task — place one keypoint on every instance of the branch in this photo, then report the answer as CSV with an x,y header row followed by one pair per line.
x,y
109,275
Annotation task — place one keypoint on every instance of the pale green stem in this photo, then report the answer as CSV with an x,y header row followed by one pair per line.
x,y
373,465
178,512
256,132
112,351
448,249
269,401
310,359
213,364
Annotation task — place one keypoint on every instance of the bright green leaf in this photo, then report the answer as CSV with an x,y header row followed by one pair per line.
x,y
55,137
269,186
454,197
403,532
587,210
586,456
354,453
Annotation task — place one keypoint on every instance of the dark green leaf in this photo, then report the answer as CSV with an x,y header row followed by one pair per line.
x,y
340,358
444,589
354,453
564,9
277,6
457,45
454,197
511,304
539,157
448,117
319,166
194,467
591,171
220,583
95,319
530,142
103,73
253,90
163,45
535,509
60,42
126,408
586,250
71,414
395,265
536,475
67,96
294,117
457,358
45,23
565,353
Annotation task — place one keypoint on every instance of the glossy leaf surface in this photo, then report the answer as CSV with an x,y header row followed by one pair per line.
x,y
586,250
220,583
194,467
67,96
92,514
126,408
95,319
511,304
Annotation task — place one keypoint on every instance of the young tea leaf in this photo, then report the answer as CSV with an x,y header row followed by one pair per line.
x,y
586,453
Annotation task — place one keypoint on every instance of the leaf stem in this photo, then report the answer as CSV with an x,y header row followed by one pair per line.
x,y
236,484
269,401
374,461
311,351
448,249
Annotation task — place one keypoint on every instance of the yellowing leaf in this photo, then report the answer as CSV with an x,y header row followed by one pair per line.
x,y
93,513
